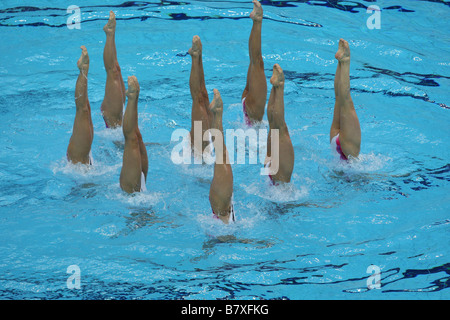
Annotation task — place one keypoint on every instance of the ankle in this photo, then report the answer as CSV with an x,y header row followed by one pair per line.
x,y
344,61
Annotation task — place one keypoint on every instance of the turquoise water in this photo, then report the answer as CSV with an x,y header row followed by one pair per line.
x,y
311,239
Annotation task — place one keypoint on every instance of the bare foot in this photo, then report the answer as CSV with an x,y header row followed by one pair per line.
x,y
133,87
196,49
343,53
257,13
277,79
216,105
110,27
83,62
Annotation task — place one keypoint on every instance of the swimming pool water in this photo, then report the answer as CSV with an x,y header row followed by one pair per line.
x,y
311,239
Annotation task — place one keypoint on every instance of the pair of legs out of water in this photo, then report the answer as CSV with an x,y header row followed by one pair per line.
x,y
345,130
135,159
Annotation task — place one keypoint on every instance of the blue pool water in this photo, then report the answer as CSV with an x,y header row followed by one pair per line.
x,y
312,239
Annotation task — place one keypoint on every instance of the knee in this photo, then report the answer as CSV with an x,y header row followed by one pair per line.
x,y
139,136
129,132
201,98
258,63
114,69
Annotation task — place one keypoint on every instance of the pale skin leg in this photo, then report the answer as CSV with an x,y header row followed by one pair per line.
x,y
345,121
275,115
200,99
135,160
114,100
83,131
255,92
221,190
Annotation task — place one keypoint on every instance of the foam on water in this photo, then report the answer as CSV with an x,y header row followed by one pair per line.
x,y
244,222
281,192
113,134
82,171
365,163
138,199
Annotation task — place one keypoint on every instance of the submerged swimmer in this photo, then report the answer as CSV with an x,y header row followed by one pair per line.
x,y
282,157
221,190
135,160
79,149
345,132
255,92
200,100
114,100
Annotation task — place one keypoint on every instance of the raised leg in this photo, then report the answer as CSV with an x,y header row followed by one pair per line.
x,y
200,100
335,125
114,100
83,132
282,157
345,121
130,175
255,92
221,190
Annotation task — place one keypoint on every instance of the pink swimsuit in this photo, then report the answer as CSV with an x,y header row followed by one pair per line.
x,y
274,183
105,123
247,119
339,150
